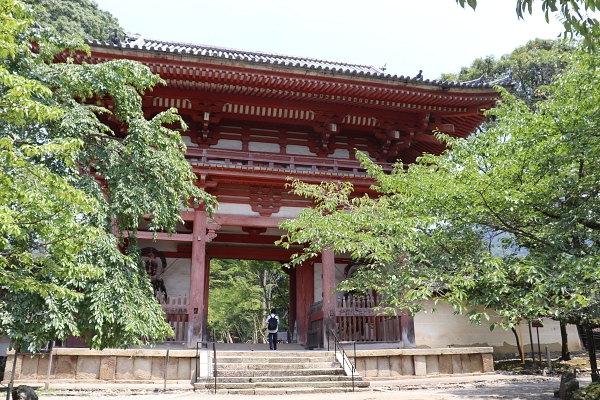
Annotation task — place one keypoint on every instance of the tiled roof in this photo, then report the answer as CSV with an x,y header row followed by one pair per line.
x,y
144,43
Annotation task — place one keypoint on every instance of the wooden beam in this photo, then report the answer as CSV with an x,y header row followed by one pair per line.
x,y
239,220
175,237
253,239
250,254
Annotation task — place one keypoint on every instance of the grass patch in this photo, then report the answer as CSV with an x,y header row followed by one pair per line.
x,y
516,367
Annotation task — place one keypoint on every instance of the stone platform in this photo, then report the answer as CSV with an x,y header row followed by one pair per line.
x,y
149,366
400,363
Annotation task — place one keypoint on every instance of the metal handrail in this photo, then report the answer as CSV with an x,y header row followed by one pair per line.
x,y
215,358
204,345
337,346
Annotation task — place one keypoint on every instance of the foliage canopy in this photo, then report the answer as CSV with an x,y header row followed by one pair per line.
x,y
242,293
80,18
506,221
73,187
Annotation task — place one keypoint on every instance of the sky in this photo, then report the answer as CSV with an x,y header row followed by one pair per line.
x,y
435,36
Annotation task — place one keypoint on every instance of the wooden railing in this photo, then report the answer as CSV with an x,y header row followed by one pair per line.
x,y
177,317
315,307
358,322
174,300
278,161
314,336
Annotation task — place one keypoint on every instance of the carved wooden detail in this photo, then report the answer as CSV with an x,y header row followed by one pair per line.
x,y
207,116
325,125
265,200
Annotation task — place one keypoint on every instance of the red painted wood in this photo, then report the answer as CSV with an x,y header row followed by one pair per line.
x,y
305,296
329,302
246,253
293,299
175,237
207,335
238,220
260,239
315,316
235,176
196,321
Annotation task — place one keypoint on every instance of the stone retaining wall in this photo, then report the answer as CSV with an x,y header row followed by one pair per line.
x,y
141,366
397,363
148,365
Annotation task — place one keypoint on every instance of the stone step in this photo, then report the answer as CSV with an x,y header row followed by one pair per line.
x,y
283,391
273,366
275,359
274,353
275,372
298,378
277,384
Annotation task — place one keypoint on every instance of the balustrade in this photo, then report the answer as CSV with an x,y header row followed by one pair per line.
x,y
356,320
278,161
175,308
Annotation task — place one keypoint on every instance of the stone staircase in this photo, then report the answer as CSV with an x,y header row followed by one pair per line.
x,y
280,372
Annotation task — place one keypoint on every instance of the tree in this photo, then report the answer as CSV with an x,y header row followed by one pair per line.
x,y
574,15
74,187
80,18
531,67
242,292
506,221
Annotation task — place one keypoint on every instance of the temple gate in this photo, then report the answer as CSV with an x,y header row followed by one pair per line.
x,y
256,119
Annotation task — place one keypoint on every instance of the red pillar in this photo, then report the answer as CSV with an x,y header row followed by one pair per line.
x,y
198,307
206,334
305,295
292,310
328,268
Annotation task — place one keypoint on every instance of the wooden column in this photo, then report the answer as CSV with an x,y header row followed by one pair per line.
x,y
292,310
305,296
328,268
198,307
207,336
407,326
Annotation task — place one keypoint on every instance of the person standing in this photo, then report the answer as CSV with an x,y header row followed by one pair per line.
x,y
272,325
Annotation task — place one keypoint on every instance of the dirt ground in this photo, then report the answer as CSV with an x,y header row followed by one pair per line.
x,y
494,386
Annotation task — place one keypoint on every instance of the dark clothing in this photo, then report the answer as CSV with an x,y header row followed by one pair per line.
x,y
272,332
273,341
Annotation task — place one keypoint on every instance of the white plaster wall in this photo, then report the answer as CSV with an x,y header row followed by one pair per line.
x,y
177,278
188,141
318,278
236,209
228,144
297,149
266,147
443,328
4,343
288,212
340,153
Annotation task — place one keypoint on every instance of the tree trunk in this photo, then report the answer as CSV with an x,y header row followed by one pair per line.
x,y
565,354
514,331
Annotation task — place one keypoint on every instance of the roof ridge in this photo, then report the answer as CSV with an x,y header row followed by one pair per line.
x,y
251,52
257,57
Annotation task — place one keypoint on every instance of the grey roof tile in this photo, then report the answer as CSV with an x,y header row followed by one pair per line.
x,y
144,43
